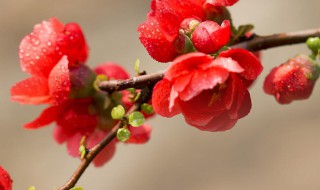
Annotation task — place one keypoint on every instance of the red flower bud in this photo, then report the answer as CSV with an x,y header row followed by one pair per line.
x,y
5,180
292,80
209,37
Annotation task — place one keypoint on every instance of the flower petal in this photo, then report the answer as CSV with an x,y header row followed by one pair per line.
x,y
107,153
160,99
5,180
59,81
139,135
33,90
247,60
112,71
221,2
48,115
41,50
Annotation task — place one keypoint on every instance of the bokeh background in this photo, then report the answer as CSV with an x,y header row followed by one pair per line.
x,y
274,147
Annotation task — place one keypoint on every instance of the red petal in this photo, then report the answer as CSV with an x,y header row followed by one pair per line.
x,y
139,135
200,110
5,180
158,44
73,145
247,60
41,50
221,2
204,80
187,63
160,99
59,81
112,71
219,123
48,115
33,90
107,153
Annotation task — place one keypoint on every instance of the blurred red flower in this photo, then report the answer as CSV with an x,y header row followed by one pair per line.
x,y
5,180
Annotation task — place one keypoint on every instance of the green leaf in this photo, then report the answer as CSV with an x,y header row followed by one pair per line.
x,y
137,66
136,119
118,112
32,188
76,188
123,134
147,108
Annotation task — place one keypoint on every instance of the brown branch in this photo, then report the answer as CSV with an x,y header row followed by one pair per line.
x,y
264,42
94,151
255,43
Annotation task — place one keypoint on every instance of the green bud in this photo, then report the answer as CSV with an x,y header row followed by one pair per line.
x,y
118,112
83,151
32,188
313,44
147,108
137,66
136,119
123,134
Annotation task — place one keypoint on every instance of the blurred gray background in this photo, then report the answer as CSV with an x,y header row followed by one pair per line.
x,y
274,147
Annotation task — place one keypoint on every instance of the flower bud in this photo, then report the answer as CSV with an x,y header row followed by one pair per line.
x,y
82,78
292,80
209,37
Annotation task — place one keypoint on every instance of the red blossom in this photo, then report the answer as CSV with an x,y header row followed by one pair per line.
x,y
47,54
160,32
292,80
211,93
5,180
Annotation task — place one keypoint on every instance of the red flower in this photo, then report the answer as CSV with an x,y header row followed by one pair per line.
x,y
160,32
292,80
5,180
47,54
88,117
211,93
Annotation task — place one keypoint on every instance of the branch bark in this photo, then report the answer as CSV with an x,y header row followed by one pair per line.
x,y
255,43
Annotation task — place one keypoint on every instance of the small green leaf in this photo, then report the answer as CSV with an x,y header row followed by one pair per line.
x,y
32,188
123,134
76,188
118,112
136,119
147,108
136,97
137,66
242,31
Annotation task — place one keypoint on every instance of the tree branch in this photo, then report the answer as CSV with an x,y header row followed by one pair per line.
x,y
94,151
255,43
